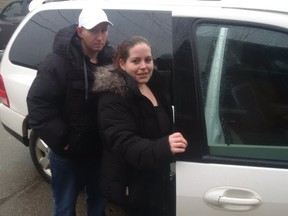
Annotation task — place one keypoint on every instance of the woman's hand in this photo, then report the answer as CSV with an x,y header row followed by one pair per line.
x,y
177,143
66,147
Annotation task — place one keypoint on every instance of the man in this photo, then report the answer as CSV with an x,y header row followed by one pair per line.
x,y
62,110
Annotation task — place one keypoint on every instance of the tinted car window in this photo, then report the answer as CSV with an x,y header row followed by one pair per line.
x,y
244,79
13,9
35,40
11,15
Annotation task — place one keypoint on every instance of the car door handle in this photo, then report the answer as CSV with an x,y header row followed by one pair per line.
x,y
232,198
238,201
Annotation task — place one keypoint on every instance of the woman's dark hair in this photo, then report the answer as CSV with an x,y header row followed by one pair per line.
x,y
122,51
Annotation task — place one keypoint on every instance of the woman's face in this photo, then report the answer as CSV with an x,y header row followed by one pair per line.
x,y
139,63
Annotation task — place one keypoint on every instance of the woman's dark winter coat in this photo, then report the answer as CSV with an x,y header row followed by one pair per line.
x,y
137,156
60,105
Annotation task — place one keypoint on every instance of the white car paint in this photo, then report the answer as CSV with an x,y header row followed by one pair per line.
x,y
195,180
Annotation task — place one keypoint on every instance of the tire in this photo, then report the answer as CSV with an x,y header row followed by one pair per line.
x,y
39,152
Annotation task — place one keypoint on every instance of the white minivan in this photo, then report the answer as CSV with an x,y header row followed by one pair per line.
x,y
229,64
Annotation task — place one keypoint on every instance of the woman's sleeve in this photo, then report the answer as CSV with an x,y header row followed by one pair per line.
x,y
118,128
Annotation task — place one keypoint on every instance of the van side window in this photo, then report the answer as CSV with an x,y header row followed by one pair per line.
x,y
244,81
155,26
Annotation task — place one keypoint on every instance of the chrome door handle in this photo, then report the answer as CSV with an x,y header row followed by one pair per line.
x,y
232,198
238,201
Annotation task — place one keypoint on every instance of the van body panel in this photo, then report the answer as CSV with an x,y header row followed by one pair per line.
x,y
11,119
196,180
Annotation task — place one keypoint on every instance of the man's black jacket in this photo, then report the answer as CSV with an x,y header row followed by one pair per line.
x,y
61,106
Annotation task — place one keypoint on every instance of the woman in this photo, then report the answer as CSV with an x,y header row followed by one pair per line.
x,y
135,120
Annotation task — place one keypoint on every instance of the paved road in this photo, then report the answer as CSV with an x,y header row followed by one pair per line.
x,y
22,191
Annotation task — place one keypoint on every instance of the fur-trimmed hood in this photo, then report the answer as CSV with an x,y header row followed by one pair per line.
x,y
108,79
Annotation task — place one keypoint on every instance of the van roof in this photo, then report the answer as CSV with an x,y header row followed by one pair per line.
x,y
272,6
277,6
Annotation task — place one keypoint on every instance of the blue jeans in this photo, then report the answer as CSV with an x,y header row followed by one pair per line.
x,y
69,177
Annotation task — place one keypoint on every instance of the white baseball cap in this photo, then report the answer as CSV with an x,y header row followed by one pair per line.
x,y
92,16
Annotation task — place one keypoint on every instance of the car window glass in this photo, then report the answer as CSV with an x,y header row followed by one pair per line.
x,y
35,40
13,10
244,80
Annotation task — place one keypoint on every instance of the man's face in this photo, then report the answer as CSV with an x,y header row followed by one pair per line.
x,y
93,40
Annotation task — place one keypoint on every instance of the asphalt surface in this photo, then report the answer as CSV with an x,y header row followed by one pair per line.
x,y
23,192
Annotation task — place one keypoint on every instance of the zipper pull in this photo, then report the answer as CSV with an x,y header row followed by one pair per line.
x,y
127,191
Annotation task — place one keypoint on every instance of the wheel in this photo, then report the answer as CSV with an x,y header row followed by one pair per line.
x,y
39,152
